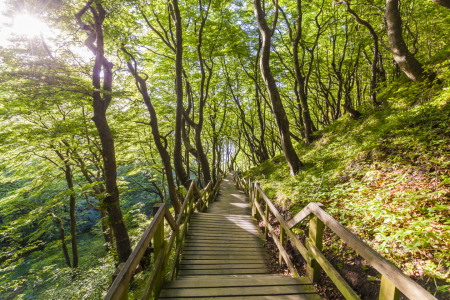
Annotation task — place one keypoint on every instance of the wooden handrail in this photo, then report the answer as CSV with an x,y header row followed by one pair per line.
x,y
392,277
121,282
119,288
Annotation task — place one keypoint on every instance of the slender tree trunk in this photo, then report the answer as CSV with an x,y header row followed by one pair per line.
x,y
404,58
72,199
202,158
165,157
307,122
73,219
62,236
374,69
105,229
280,115
177,151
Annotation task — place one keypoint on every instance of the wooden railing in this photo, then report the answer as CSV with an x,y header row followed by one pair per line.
x,y
393,279
161,248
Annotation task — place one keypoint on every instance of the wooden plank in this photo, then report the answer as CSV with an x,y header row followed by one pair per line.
x,y
235,276
159,245
236,291
315,238
222,261
225,244
227,266
337,279
242,256
306,211
277,242
231,232
219,250
303,251
123,278
256,280
223,217
277,297
388,291
213,215
224,238
170,220
406,285
224,271
229,227
185,203
252,229
153,276
225,223
223,234
180,242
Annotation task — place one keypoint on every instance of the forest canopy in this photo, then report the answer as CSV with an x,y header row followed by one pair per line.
x,y
107,107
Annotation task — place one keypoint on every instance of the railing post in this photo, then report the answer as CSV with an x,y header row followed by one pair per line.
x,y
159,245
190,207
256,199
266,230
282,242
114,276
252,204
388,291
315,238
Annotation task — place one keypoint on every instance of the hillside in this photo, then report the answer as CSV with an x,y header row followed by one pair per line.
x,y
386,177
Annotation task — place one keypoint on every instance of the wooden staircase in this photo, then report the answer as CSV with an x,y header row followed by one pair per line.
x,y
223,256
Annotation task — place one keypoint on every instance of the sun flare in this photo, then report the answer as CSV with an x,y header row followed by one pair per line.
x,y
28,25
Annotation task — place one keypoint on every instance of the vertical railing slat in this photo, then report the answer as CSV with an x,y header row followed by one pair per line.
x,y
315,237
158,246
388,291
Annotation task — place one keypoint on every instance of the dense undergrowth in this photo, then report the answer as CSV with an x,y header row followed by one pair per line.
x,y
38,270
386,177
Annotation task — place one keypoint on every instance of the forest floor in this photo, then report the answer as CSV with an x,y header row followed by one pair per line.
x,y
386,177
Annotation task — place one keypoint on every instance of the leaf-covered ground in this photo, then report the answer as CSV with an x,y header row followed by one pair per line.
x,y
386,177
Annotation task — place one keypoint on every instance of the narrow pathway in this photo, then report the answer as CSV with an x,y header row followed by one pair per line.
x,y
224,256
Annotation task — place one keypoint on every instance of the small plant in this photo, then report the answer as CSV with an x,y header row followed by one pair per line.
x,y
340,266
365,268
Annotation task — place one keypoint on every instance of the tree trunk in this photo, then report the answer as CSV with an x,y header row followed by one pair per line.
x,y
73,219
280,115
105,229
307,122
62,236
100,105
444,3
177,151
202,158
374,69
165,157
404,58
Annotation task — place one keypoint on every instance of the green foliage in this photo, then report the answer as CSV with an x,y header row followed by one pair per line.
x,y
385,177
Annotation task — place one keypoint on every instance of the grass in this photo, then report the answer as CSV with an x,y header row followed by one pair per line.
x,y
386,177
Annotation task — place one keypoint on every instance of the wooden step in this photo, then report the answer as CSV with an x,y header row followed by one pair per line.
x,y
219,261
227,266
235,280
260,270
223,257
237,289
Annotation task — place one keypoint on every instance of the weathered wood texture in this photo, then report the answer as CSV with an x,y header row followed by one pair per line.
x,y
224,256
162,248
394,280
